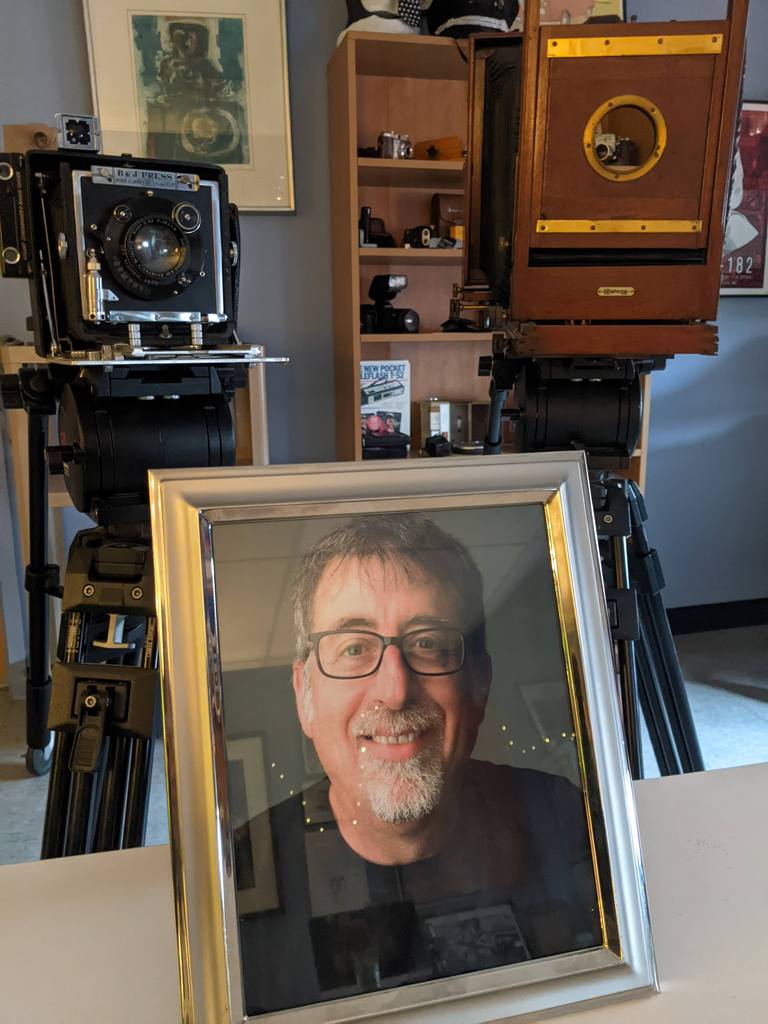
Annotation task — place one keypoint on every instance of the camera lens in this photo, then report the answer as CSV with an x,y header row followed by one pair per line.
x,y
157,249
410,320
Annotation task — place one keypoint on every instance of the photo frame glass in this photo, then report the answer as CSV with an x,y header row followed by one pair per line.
x,y
365,897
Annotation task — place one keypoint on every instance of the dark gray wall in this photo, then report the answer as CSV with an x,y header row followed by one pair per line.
x,y
706,489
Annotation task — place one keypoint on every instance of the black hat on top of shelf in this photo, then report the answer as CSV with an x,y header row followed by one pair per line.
x,y
396,16
461,18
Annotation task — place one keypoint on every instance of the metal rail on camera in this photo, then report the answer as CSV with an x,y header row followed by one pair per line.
x,y
117,355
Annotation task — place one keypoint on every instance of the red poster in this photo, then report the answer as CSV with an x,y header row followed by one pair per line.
x,y
745,249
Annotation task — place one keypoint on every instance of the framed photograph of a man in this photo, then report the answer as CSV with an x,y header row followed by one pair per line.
x,y
465,849
179,80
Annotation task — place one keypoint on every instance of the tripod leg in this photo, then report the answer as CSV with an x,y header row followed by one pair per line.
x,y
54,828
673,686
649,581
137,803
38,678
80,808
653,708
628,669
109,817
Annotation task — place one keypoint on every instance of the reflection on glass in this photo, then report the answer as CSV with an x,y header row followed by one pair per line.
x,y
624,139
418,813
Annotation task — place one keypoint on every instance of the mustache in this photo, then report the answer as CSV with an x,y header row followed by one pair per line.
x,y
380,719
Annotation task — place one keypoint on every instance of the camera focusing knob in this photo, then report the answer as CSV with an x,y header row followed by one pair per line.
x,y
60,454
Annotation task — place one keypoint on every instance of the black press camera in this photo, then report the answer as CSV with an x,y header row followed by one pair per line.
x,y
382,317
122,253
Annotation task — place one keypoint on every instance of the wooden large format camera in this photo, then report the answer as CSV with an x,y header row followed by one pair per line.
x,y
598,171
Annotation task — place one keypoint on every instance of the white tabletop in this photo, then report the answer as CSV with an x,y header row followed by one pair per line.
x,y
90,940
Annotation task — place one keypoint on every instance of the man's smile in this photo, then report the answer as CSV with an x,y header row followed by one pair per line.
x,y
395,745
403,737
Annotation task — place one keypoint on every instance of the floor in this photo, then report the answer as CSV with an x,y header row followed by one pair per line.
x,y
726,670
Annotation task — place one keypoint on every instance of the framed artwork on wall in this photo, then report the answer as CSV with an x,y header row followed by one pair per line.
x,y
459,857
744,269
177,80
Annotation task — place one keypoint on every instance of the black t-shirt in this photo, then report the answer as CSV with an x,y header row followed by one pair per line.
x,y
514,881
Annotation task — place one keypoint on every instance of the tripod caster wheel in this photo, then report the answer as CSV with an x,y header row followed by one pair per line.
x,y
38,761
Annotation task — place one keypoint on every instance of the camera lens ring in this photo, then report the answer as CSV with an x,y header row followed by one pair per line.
x,y
187,217
156,249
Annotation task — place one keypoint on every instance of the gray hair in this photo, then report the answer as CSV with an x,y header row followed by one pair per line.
x,y
412,542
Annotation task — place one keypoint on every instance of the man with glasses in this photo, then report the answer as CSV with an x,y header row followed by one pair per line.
x,y
417,845
391,679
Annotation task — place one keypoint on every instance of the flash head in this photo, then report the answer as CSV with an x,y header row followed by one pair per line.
x,y
384,287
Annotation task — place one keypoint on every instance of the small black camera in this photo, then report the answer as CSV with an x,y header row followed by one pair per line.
x,y
382,317
418,237
119,251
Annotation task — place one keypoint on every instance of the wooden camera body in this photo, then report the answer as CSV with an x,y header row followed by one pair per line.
x,y
608,148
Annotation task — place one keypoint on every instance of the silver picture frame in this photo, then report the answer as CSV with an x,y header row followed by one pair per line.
x,y
190,509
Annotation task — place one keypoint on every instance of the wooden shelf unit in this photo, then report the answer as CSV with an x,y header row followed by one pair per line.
x,y
449,174
416,85
425,257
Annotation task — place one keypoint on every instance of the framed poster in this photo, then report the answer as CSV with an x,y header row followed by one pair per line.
x,y
177,80
459,858
744,270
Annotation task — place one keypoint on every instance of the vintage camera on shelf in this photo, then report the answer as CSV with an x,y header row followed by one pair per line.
x,y
382,317
419,237
394,146
615,149
373,232
423,236
125,256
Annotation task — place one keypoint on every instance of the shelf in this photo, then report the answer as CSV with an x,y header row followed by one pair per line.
x,y
409,56
438,337
438,174
424,257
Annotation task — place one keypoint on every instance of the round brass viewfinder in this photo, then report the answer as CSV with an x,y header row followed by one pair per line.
x,y
625,138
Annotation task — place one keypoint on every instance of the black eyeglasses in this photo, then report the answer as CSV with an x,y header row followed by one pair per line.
x,y
356,653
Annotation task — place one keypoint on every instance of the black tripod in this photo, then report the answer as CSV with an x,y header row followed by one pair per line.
x,y
104,706
596,405
102,702
650,674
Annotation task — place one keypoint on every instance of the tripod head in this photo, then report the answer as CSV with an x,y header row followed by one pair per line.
x,y
589,403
